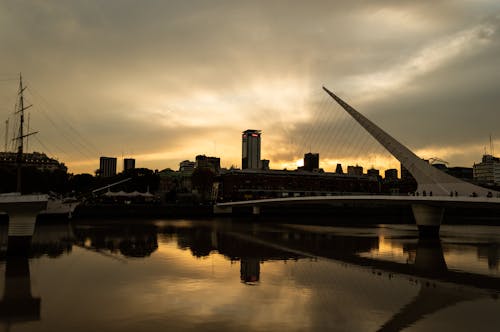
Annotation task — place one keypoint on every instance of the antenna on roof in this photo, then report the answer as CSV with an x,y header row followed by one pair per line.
x,y
6,133
492,150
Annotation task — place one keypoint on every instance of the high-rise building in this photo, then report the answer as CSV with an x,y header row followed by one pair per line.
x,y
107,166
128,164
250,151
311,161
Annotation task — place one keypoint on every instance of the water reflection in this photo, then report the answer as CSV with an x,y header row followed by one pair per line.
x,y
491,253
128,240
322,263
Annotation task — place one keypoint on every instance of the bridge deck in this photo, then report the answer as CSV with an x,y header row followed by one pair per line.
x,y
445,201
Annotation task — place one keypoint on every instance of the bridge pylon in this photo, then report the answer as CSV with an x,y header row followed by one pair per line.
x,y
430,180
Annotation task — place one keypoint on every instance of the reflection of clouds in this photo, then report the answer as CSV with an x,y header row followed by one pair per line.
x,y
209,288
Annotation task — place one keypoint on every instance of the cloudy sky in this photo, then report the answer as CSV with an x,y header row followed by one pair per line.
x,y
163,81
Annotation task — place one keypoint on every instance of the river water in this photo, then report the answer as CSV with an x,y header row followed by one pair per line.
x,y
227,275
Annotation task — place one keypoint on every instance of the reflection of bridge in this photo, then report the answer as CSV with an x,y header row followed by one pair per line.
x,y
436,189
440,288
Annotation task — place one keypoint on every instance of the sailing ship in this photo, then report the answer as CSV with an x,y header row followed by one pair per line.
x,y
26,206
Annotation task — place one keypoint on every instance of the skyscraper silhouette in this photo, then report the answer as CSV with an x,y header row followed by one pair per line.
x,y
250,158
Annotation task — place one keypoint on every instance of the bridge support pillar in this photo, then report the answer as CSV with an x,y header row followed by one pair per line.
x,y
223,209
255,210
428,219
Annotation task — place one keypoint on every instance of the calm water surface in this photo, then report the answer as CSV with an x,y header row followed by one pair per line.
x,y
219,275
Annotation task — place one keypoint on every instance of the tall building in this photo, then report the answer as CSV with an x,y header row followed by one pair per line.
x,y
107,166
311,161
128,164
250,151
391,174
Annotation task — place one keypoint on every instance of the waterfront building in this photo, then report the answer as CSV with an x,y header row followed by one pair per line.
x,y
237,185
355,170
487,171
212,163
250,151
186,167
464,173
107,166
311,161
128,164
37,160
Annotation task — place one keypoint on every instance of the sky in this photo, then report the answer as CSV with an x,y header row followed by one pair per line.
x,y
164,81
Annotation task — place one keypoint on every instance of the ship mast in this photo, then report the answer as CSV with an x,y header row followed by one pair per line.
x,y
20,138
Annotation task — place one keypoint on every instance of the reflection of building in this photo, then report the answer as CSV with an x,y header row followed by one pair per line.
x,y
311,161
107,166
249,269
250,158
35,159
491,253
488,170
129,240
128,164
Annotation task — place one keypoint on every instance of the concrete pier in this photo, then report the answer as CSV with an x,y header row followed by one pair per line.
x,y
428,219
22,211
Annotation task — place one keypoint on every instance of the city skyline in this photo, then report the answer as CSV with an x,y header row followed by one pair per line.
x,y
171,81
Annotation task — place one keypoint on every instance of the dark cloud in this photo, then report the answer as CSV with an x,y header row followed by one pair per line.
x,y
157,77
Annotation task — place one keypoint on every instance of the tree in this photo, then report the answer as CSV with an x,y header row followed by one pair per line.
x,y
203,180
